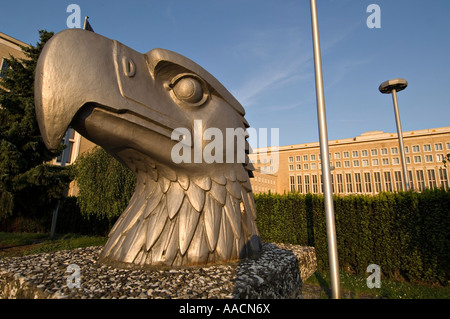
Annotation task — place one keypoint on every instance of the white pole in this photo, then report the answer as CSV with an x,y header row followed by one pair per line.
x,y
323,135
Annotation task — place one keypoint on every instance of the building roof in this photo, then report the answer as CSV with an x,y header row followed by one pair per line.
x,y
11,42
364,137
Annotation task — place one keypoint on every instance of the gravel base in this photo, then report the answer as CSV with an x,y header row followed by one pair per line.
x,y
275,274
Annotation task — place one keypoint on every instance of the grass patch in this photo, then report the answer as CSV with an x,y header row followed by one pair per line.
x,y
18,239
355,287
66,242
23,244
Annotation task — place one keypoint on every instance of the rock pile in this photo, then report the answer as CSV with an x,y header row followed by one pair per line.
x,y
277,273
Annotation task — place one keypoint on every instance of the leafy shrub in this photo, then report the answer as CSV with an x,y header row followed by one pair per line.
x,y
405,233
105,185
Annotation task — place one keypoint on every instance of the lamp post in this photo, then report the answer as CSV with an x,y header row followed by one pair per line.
x,y
394,86
323,135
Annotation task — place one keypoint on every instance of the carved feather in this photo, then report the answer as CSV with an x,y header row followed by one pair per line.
x,y
198,250
219,192
234,189
174,198
156,222
234,216
226,237
187,222
203,182
212,216
196,197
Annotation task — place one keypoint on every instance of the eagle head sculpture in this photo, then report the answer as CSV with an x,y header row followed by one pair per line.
x,y
182,213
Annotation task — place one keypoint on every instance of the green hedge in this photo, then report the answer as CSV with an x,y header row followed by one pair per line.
x,y
405,233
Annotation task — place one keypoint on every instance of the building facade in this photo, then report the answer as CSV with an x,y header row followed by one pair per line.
x,y
366,164
9,46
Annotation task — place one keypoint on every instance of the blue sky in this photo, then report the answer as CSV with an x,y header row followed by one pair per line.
x,y
262,52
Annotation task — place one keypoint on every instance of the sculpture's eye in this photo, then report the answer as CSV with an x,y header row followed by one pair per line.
x,y
189,90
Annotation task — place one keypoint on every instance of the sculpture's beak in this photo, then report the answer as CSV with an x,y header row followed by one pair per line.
x,y
78,68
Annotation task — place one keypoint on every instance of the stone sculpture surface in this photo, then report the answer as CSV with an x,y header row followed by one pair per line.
x,y
182,212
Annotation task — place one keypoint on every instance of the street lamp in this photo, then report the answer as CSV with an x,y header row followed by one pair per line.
x,y
394,86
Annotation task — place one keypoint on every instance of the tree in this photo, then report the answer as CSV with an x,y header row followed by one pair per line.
x,y
446,159
105,185
29,186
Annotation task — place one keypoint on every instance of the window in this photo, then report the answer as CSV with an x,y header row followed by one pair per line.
x,y
313,166
417,159
338,155
374,152
348,181
431,178
332,183
384,151
3,67
298,167
439,157
438,146
292,183
365,163
298,158
356,163
340,183
375,162
358,182
346,163
427,148
416,149
368,182
395,161
291,159
69,149
398,180
305,166
428,158
411,180
385,161
443,177
355,154
364,153
406,149
448,145
394,150
291,167
299,183
346,154
314,184
387,181
377,179
305,157
306,183
408,160
313,157
337,164
420,180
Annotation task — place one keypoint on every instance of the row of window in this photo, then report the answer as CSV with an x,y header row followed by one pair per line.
x,y
366,162
373,152
264,180
368,182
263,189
